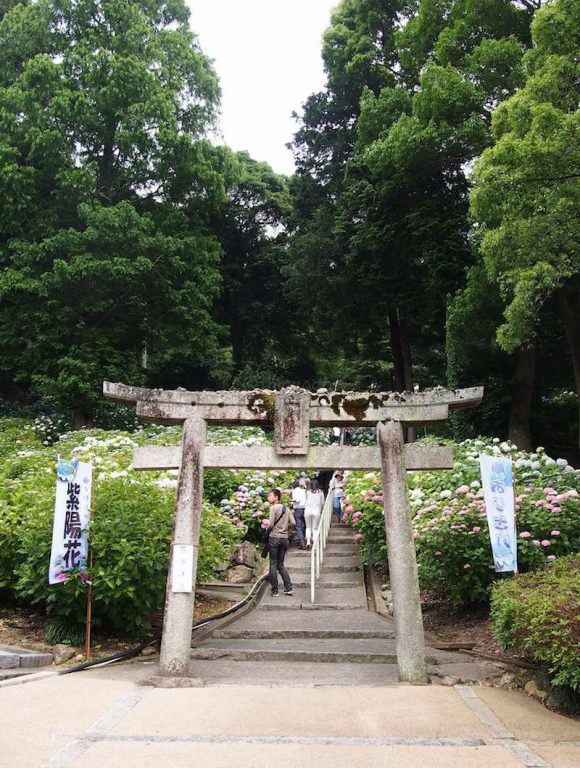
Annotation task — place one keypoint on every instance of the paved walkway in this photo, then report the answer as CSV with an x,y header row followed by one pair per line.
x,y
105,719
288,685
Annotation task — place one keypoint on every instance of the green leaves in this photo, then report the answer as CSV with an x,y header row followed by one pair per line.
x,y
526,186
101,118
539,613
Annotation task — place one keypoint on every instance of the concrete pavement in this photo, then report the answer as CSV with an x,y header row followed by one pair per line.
x,y
109,718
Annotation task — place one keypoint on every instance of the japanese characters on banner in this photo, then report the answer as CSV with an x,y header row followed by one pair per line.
x,y
498,490
71,520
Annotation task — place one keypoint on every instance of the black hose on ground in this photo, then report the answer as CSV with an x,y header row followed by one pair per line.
x,y
130,652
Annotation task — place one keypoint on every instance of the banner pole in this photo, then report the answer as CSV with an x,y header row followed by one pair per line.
x,y
90,581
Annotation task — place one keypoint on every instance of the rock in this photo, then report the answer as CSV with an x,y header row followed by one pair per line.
x,y
222,566
62,653
532,689
151,650
507,680
246,555
241,574
450,680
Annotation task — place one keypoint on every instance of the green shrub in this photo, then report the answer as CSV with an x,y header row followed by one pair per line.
x,y
540,612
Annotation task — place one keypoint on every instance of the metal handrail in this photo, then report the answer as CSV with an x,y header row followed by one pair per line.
x,y
319,543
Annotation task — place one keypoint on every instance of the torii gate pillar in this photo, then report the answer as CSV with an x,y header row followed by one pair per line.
x,y
177,619
409,636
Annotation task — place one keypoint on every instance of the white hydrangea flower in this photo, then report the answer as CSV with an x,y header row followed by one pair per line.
x,y
445,494
561,462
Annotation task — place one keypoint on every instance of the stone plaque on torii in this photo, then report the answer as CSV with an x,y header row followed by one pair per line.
x,y
293,411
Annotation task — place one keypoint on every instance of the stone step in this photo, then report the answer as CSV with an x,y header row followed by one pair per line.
x,y
9,660
305,584
357,620
331,651
307,606
305,568
302,634
266,673
14,657
327,579
347,597
305,553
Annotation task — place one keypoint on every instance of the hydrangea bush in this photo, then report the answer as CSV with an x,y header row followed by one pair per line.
x,y
450,524
131,531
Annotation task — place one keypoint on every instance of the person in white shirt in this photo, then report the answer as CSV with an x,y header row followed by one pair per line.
x,y
298,503
337,487
313,511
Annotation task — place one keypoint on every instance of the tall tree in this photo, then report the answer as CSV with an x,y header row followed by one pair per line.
x,y
104,246
527,191
251,227
387,174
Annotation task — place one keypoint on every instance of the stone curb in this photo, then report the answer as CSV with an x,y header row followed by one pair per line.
x,y
32,678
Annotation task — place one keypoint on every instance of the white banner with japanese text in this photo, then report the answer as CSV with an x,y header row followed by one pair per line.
x,y
498,490
71,520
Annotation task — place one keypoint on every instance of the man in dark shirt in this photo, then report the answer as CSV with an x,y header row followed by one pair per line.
x,y
280,518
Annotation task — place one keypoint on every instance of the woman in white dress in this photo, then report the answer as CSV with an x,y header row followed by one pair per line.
x,y
313,511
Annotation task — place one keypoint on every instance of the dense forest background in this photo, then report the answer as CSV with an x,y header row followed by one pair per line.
x,y
428,237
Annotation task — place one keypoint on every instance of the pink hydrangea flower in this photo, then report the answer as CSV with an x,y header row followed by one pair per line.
x,y
358,537
545,543
549,490
437,553
525,535
349,509
467,565
462,489
476,529
555,533
536,542
551,557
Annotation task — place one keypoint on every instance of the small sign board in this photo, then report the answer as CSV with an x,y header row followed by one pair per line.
x,y
182,570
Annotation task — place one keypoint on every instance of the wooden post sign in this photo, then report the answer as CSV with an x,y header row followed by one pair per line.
x,y
293,411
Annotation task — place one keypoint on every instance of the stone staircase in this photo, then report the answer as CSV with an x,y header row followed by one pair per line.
x,y
288,640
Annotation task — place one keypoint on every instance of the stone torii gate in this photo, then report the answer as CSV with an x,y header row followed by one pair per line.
x,y
293,411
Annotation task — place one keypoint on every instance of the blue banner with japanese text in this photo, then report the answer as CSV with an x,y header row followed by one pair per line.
x,y
498,490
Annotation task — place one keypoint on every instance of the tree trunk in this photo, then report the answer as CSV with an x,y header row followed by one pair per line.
x,y
396,350
569,306
83,419
410,432
522,396
402,364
